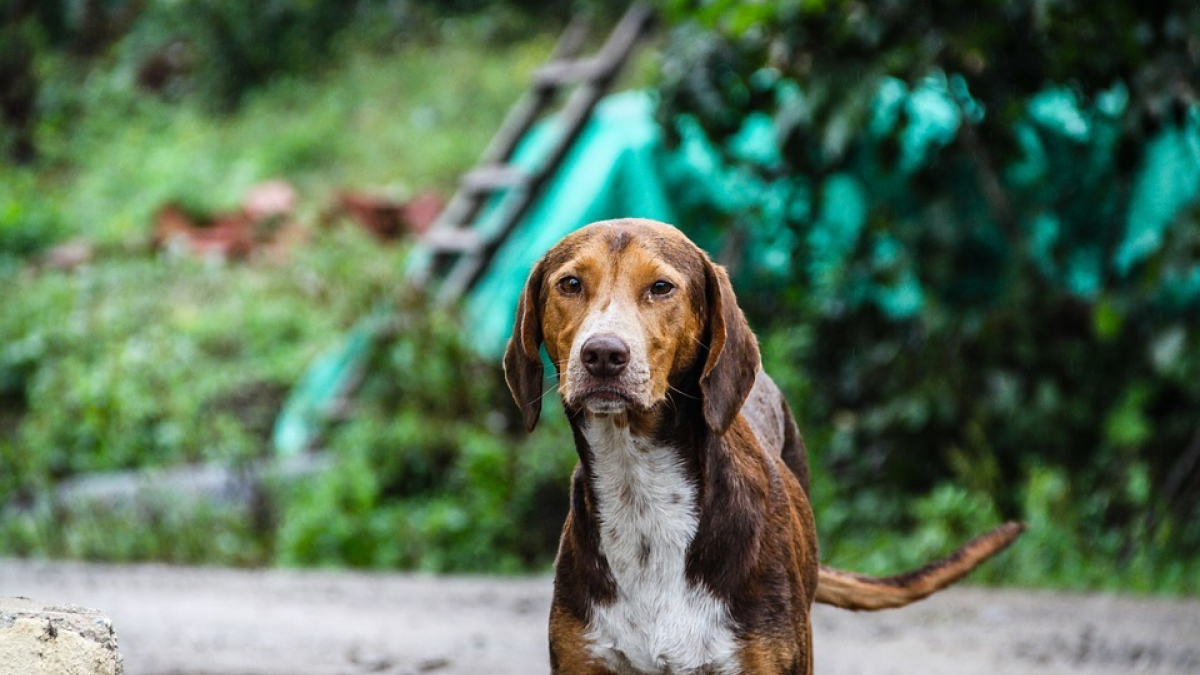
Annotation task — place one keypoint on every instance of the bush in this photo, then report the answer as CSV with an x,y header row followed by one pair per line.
x,y
990,276
434,470
374,121
224,49
103,375
431,470
135,362
29,223
158,527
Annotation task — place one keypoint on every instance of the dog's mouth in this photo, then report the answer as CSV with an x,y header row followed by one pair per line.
x,y
605,399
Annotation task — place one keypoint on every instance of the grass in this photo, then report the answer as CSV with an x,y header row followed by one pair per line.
x,y
373,120
403,121
142,360
138,360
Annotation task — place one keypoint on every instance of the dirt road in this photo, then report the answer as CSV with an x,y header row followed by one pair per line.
x,y
184,621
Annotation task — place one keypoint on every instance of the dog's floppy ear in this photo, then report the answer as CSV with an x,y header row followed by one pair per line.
x,y
522,358
733,358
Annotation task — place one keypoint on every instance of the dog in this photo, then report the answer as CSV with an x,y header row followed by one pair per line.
x,y
689,546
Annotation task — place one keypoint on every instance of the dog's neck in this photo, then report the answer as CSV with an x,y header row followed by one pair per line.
x,y
644,495
631,442
646,510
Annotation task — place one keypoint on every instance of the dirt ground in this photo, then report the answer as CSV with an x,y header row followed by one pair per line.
x,y
186,621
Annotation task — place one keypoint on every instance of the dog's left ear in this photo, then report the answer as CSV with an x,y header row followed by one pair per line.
x,y
522,359
733,359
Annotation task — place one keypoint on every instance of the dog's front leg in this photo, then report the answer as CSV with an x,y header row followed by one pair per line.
x,y
569,653
778,655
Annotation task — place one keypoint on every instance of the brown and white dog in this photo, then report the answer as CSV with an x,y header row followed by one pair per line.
x,y
690,545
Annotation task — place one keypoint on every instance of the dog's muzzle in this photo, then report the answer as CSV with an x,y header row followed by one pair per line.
x,y
604,376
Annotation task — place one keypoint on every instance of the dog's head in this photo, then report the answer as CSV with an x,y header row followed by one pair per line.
x,y
628,311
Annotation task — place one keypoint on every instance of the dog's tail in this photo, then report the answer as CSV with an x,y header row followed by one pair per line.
x,y
858,591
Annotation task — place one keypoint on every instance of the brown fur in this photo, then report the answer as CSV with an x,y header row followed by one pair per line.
x,y
755,546
568,645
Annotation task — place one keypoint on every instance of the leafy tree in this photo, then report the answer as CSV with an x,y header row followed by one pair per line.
x,y
990,259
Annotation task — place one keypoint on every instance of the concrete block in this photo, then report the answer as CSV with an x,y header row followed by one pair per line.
x,y
41,639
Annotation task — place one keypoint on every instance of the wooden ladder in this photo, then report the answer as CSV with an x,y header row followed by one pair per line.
x,y
459,252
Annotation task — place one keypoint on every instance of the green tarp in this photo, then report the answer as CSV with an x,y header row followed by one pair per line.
x,y
612,171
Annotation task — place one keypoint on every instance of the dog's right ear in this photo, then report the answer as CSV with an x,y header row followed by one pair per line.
x,y
522,358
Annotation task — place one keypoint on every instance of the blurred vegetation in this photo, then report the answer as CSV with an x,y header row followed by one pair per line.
x,y
58,58
949,366
139,362
136,359
437,472
990,306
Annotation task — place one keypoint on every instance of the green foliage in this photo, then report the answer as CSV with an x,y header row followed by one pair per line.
x,y
226,48
374,120
434,470
430,471
28,222
158,528
60,59
990,268
1006,52
99,374
133,361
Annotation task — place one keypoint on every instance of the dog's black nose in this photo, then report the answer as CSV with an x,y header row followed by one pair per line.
x,y
605,355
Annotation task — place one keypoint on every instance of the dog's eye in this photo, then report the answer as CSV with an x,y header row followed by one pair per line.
x,y
570,285
661,287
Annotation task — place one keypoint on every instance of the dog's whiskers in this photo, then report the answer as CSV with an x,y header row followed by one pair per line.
x,y
682,393
547,392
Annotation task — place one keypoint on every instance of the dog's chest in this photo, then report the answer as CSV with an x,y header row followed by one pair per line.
x,y
659,622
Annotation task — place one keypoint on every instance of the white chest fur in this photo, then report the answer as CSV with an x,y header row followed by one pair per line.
x,y
659,622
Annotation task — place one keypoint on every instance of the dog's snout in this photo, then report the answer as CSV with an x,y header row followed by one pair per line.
x,y
605,355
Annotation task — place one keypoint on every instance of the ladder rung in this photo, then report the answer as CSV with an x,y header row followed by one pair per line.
x,y
494,177
572,71
447,240
459,279
460,254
